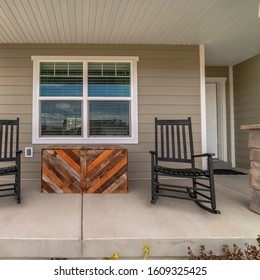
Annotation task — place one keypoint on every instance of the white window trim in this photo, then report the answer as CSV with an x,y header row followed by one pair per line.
x,y
36,139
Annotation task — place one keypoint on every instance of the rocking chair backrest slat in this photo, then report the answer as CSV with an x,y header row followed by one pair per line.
x,y
178,141
173,140
162,140
167,141
6,141
184,143
1,137
9,139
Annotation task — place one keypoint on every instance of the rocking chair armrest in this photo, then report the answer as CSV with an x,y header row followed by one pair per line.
x,y
154,160
209,160
204,155
153,155
19,152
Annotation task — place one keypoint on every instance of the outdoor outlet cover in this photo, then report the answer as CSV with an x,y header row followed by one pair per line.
x,y
28,152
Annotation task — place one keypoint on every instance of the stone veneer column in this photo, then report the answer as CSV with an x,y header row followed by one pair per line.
x,y
254,172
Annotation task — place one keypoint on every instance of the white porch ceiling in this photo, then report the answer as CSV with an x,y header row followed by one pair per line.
x,y
230,29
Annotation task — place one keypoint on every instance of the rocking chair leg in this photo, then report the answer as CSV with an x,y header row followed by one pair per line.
x,y
194,191
17,188
154,190
193,194
18,195
212,193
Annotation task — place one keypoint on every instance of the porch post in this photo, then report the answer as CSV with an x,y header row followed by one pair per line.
x,y
203,104
254,172
232,121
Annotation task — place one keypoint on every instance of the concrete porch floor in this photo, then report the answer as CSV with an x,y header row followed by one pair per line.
x,y
95,226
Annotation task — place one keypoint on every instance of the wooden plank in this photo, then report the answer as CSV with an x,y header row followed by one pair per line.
x,y
105,170
119,186
102,163
102,181
83,173
72,157
58,174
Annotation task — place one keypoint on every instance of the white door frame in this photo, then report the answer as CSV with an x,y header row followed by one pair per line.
x,y
222,114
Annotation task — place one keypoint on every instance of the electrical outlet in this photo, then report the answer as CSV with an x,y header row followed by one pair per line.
x,y
28,152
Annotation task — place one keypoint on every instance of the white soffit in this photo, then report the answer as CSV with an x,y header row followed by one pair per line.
x,y
230,29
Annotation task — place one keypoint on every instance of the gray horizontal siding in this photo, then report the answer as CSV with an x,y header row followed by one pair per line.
x,y
247,105
168,87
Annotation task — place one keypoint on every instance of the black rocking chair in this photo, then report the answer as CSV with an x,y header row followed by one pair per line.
x,y
10,159
174,146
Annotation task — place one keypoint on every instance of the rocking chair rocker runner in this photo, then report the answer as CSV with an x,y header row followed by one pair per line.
x,y
174,145
10,158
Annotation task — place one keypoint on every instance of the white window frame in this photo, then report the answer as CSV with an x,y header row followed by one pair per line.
x,y
84,139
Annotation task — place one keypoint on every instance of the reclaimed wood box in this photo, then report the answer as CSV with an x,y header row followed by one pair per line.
x,y
84,169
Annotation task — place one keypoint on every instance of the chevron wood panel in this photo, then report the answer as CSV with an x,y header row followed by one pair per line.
x,y
84,169
61,171
106,171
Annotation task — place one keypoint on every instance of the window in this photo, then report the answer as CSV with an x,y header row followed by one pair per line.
x,y
59,116
90,100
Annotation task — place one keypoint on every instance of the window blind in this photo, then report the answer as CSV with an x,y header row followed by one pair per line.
x,y
61,79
